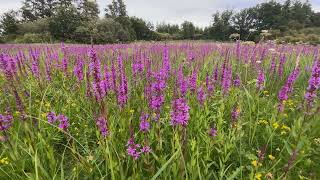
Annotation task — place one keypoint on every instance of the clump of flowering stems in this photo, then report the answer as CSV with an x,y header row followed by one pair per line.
x,y
237,81
9,69
122,91
78,70
235,114
213,132
182,83
63,120
193,81
281,65
5,122
285,91
102,125
135,150
314,84
201,95
260,80
209,84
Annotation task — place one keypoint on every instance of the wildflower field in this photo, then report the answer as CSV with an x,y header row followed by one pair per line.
x,y
188,110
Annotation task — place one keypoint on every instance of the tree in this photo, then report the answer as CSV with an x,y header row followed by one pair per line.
x,y
141,28
65,22
168,28
315,19
221,26
9,23
269,15
245,20
36,9
188,30
117,11
89,10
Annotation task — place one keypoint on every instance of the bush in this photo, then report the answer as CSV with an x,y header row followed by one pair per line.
x,y
33,38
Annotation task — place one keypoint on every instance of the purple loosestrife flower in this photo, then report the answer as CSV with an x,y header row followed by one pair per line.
x,y
123,91
201,95
47,64
284,92
281,64
146,149
63,122
107,76
216,74
314,83
94,66
144,124
166,63
182,83
226,80
235,114
237,81
8,66
35,63
273,64
213,132
209,84
193,81
5,122
179,113
52,118
157,97
133,149
78,70
260,80
114,77
64,66
103,127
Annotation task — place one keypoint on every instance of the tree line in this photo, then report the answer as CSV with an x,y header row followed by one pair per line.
x,y
79,21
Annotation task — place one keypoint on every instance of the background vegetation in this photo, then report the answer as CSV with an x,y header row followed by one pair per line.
x,y
65,20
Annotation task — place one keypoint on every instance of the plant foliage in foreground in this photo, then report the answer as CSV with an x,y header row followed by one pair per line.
x,y
156,111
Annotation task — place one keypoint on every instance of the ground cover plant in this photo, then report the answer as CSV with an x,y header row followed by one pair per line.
x,y
188,110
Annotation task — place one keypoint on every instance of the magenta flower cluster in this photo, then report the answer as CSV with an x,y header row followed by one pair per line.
x,y
5,122
63,120
179,113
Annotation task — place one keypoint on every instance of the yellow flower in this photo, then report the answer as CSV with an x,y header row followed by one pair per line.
x,y
283,133
258,176
275,125
284,127
263,122
44,115
47,104
265,92
131,111
271,157
285,115
255,163
4,161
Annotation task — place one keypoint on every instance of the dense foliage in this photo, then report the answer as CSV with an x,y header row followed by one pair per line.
x,y
166,111
79,21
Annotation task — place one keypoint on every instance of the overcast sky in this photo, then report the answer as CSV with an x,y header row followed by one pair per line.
x,y
172,11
